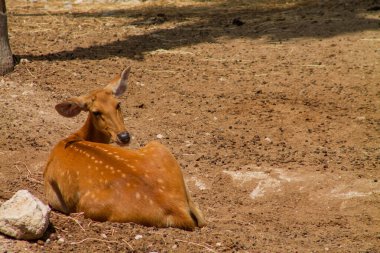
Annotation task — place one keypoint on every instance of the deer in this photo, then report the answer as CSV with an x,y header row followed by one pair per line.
x,y
93,172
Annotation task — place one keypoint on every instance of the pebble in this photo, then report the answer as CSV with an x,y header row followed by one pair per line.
x,y
361,118
138,237
159,136
267,139
61,240
24,60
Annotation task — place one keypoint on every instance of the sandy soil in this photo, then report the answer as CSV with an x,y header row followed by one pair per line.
x,y
271,108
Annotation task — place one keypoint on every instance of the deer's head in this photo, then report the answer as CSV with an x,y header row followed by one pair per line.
x,y
104,110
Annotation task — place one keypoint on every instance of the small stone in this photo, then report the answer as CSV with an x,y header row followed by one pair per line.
x,y
103,236
24,60
53,236
218,244
159,136
267,139
361,118
61,240
138,237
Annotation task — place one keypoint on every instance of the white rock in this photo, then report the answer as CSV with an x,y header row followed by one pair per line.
x,y
24,216
24,60
361,118
160,136
138,237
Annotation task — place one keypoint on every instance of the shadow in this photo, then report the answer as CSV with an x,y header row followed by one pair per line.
x,y
317,19
49,233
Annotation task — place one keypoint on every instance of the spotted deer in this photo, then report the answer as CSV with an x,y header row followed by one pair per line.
x,y
85,173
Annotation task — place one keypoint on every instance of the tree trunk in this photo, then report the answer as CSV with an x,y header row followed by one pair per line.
x,y
6,57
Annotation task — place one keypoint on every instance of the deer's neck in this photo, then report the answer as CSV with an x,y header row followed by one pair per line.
x,y
88,132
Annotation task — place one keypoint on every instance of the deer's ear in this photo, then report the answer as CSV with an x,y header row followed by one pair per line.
x,y
119,86
71,107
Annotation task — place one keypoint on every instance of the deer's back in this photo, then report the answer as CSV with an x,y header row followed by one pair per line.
x,y
117,184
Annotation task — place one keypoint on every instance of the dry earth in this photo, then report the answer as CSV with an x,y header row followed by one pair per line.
x,y
271,107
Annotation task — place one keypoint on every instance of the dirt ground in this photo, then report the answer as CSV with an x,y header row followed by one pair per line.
x,y
271,108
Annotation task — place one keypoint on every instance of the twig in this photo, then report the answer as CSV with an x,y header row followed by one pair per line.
x,y
34,180
314,65
60,229
29,176
30,73
161,71
371,39
71,218
129,245
197,244
17,168
93,239
164,51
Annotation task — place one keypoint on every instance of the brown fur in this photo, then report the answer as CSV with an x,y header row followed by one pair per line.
x,y
109,183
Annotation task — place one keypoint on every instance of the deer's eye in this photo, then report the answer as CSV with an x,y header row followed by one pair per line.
x,y
97,113
118,106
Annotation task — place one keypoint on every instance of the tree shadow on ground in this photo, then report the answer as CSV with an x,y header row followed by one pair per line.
x,y
317,19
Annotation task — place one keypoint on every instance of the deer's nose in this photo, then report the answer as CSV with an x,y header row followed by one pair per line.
x,y
124,137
